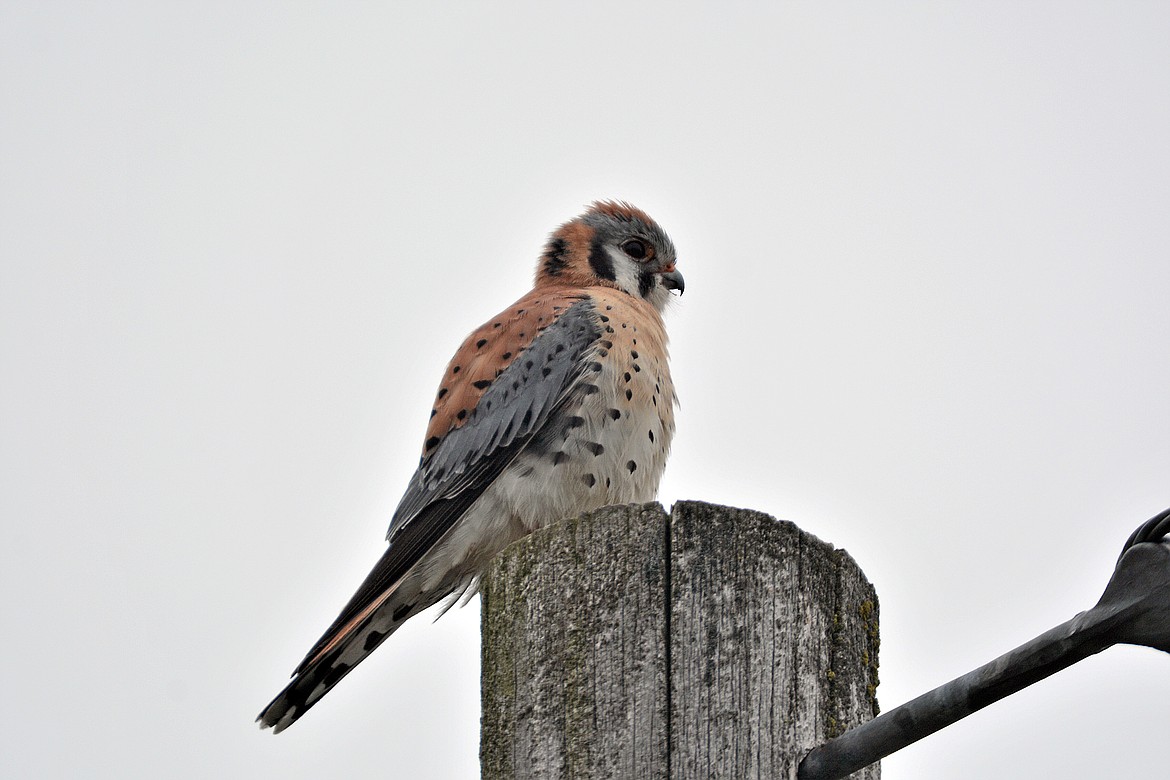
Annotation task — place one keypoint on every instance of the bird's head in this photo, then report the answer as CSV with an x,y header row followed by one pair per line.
x,y
612,245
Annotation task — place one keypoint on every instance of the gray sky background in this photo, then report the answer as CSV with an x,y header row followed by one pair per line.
x,y
927,253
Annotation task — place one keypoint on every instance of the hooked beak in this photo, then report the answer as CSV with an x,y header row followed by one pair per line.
x,y
673,280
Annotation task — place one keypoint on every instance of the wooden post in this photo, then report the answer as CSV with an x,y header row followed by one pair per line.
x,y
708,643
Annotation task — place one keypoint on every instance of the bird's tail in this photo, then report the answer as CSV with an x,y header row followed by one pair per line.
x,y
344,646
402,583
353,635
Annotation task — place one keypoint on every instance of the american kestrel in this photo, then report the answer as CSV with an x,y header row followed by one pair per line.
x,y
560,404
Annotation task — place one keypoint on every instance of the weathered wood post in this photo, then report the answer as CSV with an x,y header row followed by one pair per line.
x,y
708,643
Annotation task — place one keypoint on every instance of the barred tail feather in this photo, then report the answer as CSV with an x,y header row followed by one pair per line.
x,y
340,654
392,592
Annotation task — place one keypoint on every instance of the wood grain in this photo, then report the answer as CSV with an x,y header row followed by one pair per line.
x,y
766,647
574,672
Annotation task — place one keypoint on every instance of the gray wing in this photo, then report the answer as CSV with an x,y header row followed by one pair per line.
x,y
512,410
509,414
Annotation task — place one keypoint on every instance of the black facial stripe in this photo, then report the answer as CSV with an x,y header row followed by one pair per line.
x,y
600,261
554,258
645,283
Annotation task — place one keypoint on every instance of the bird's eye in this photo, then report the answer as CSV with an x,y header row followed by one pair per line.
x,y
635,249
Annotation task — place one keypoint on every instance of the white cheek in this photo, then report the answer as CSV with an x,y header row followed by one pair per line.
x,y
625,270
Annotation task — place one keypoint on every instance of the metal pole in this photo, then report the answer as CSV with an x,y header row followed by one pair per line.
x,y
1135,609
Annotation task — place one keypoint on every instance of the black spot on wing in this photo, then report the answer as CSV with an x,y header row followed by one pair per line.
x,y
334,675
373,639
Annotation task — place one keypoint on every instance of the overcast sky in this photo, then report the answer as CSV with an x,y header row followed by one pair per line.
x,y
927,253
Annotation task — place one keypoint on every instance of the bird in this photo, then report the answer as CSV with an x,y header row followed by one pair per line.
x,y
560,404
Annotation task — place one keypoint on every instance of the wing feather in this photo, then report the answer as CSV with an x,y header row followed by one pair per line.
x,y
516,406
456,473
